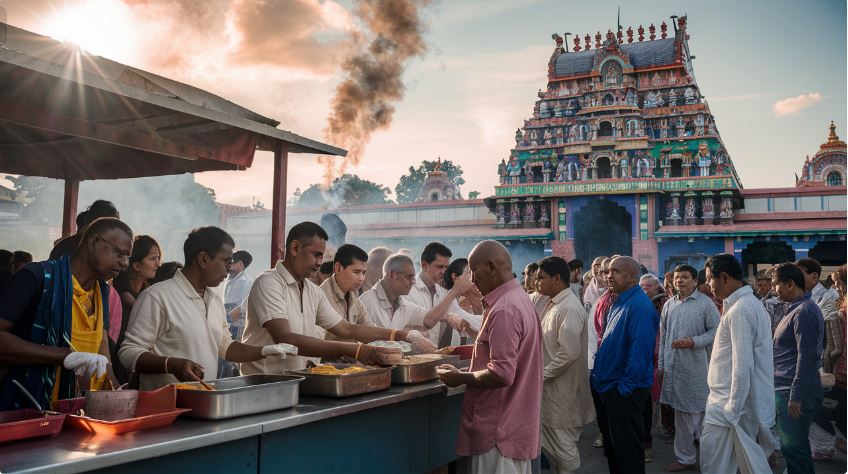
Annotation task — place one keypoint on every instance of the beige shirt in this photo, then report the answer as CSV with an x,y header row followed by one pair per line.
x,y
171,320
347,305
566,398
383,315
276,295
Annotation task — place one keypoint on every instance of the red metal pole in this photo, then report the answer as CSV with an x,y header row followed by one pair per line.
x,y
69,208
278,206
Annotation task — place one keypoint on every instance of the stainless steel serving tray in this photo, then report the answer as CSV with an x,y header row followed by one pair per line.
x,y
237,396
339,386
421,372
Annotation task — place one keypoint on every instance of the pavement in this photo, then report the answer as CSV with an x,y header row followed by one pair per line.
x,y
593,462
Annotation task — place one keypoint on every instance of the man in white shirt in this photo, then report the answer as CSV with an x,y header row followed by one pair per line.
x,y
740,407
236,291
178,328
388,309
566,399
825,298
284,306
576,283
350,265
376,258
427,293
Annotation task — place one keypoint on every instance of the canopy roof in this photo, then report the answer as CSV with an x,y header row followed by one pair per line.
x,y
68,114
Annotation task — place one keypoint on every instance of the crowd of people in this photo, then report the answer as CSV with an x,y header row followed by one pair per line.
x,y
732,374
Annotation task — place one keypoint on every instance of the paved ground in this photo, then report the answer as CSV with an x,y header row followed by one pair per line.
x,y
593,461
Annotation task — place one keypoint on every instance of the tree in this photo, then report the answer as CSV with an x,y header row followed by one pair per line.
x,y
473,194
346,190
409,185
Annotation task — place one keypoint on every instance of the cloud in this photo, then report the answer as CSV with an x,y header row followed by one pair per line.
x,y
793,105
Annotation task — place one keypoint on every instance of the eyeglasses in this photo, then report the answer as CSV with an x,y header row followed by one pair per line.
x,y
227,261
121,254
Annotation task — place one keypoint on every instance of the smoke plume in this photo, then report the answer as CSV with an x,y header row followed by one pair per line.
x,y
364,102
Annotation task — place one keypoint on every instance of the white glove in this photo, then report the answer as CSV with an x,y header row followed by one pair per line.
x,y
420,343
86,363
279,350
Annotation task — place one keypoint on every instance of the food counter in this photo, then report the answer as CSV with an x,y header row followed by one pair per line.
x,y
403,429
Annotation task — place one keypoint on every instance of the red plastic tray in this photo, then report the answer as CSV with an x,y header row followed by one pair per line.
x,y
26,423
155,408
464,352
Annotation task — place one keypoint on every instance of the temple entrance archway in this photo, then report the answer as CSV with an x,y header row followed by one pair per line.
x,y
761,255
604,168
602,227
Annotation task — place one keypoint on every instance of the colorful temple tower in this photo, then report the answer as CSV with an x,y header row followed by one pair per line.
x,y
620,144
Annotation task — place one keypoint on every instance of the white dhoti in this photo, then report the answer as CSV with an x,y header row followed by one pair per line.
x,y
492,461
726,448
560,447
687,429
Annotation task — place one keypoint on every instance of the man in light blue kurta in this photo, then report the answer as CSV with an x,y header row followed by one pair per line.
x,y
688,326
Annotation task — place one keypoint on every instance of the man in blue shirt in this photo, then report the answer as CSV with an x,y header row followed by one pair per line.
x,y
797,358
624,368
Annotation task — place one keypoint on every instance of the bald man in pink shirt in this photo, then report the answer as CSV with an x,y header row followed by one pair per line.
x,y
500,426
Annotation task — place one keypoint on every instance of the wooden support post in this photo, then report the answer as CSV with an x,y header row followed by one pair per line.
x,y
278,206
69,208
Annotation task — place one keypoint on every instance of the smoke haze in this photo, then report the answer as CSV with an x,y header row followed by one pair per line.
x,y
364,102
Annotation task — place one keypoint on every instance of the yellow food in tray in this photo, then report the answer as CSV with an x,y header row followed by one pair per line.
x,y
185,386
330,370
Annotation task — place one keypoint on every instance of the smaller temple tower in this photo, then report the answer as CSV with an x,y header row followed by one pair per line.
x,y
827,166
438,186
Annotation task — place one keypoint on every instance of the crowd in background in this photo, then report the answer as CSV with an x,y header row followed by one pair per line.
x,y
732,373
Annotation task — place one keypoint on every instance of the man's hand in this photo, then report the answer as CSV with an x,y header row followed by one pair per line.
x,y
450,375
794,409
420,343
280,350
86,364
455,321
463,284
185,370
687,343
371,355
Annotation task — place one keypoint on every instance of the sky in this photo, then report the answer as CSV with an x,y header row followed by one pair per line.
x,y
773,73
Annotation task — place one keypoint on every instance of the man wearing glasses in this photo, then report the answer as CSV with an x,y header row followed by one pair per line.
x,y
178,329
54,317
386,307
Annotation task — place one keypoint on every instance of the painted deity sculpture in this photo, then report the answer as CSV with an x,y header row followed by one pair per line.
x,y
726,213
515,214
561,170
502,173
690,208
707,209
529,212
514,171
547,168
704,159
499,212
544,218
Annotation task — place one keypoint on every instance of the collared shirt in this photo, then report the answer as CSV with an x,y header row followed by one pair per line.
x,y
171,320
775,307
625,358
741,373
509,345
798,348
684,384
236,292
827,300
420,295
382,313
276,294
347,305
566,398
540,302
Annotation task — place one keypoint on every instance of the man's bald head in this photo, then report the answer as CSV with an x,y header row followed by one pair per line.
x,y
623,274
490,264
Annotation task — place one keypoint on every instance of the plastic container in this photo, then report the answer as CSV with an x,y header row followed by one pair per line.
x,y
464,352
154,409
27,423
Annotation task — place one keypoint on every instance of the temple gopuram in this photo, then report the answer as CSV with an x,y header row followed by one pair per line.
x,y
623,156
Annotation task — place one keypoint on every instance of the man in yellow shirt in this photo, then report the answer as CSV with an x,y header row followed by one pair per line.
x,y
54,317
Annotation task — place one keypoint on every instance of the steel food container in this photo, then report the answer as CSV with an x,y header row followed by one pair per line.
x,y
406,374
238,396
339,386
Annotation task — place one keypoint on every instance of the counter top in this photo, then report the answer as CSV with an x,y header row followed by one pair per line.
x,y
77,451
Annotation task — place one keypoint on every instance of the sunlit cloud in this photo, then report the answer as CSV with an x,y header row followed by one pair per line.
x,y
793,105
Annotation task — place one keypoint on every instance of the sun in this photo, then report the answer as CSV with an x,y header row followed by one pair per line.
x,y
101,27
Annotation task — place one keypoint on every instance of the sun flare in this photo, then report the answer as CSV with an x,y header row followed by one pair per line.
x,y
101,27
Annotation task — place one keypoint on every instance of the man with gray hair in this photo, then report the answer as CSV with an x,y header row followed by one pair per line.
x,y
387,309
